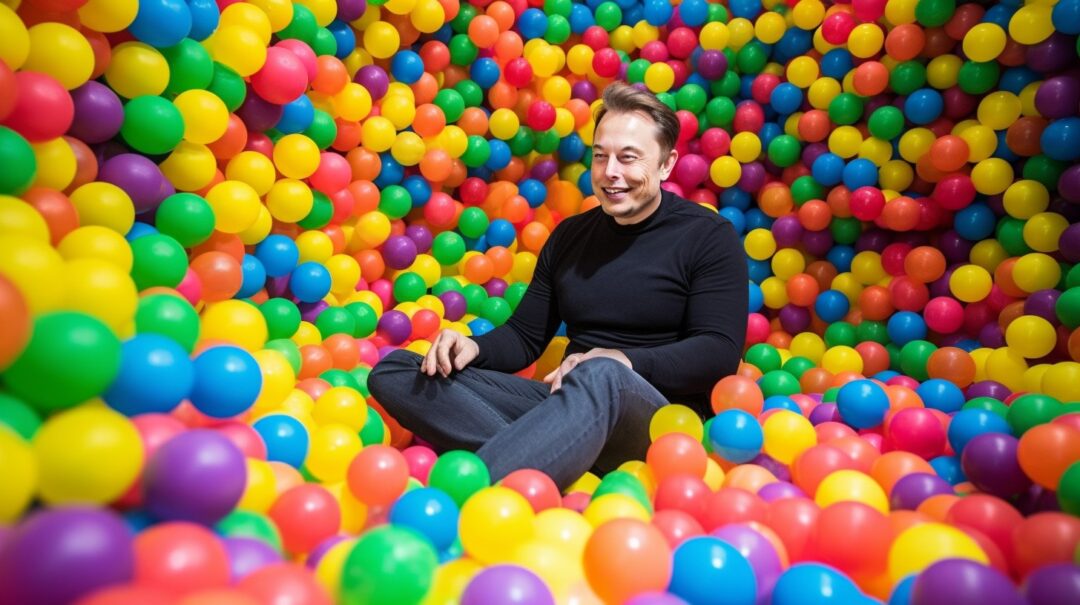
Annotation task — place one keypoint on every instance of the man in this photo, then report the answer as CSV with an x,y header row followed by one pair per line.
x,y
652,289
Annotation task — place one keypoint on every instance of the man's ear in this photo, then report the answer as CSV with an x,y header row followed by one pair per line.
x,y
668,164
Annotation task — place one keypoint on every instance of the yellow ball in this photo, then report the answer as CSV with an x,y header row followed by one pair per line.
x,y
328,571
725,171
867,268
614,506
258,230
21,219
20,475
999,110
62,52
866,40
190,166
378,134
787,435
332,448
239,48
970,283
842,359
992,176
984,42
808,14
803,71
1062,381
246,15
493,523
341,405
760,244
451,579
290,200
428,16
1031,336
296,156
1036,271
253,168
205,115
344,273
137,69
1007,366
36,269
851,486
745,147
714,36
659,77
1031,24
408,148
278,378
920,546
105,204
235,204
1042,231
261,488
381,40
351,103
234,321
16,46
278,12
770,27
1024,199
372,229
675,418
808,345
102,290
89,454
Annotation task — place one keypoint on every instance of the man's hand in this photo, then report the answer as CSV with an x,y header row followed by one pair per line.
x,y
451,351
571,361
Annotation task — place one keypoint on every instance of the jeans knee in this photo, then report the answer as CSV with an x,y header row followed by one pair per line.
x,y
394,363
603,368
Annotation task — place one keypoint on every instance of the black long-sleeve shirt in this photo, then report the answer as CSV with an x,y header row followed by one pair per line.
x,y
669,292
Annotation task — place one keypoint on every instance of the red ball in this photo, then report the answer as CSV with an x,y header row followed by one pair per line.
x,y
749,117
837,26
954,192
538,488
892,258
180,557
762,87
378,475
473,191
867,203
282,79
676,526
306,515
540,115
43,108
333,173
655,51
917,430
944,315
688,125
684,493
681,42
518,72
715,142
606,62
595,37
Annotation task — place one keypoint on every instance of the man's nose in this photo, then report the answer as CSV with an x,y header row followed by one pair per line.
x,y
612,168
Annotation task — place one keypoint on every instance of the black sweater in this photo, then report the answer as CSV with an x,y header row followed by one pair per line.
x,y
669,292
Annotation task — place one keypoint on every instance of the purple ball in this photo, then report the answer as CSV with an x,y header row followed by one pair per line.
x,y
1069,242
774,466
508,584
1058,97
758,551
136,175
309,312
421,236
989,461
813,151
196,476
818,243
278,287
317,553
496,286
824,412
910,491
58,555
247,555
988,388
350,10
584,90
395,327
787,231
1057,584
259,114
873,239
794,319
399,252
963,582
1053,54
991,336
1042,303
99,114
780,491
544,170
1069,185
753,177
656,598
712,64
955,248
374,79
454,305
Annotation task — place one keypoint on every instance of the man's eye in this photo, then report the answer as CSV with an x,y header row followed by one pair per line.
x,y
628,158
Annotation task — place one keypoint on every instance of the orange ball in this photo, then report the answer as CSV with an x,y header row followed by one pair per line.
x,y
484,31
220,275
875,302
1046,451
502,260
344,351
676,454
952,364
626,557
870,78
479,269
894,466
314,360
815,215
924,264
737,392
429,120
949,153
802,289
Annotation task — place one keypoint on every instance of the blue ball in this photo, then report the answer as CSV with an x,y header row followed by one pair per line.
x,y
747,9
285,437
1066,17
836,63
816,584
975,223
532,23
735,217
156,374
736,436
735,198
571,148
346,39
702,564
860,172
204,18
419,189
949,469
781,402
429,511
923,106
253,277
904,327
391,172
827,169
756,297
309,282
161,23
1061,139
407,66
694,12
481,326
969,424
278,255
500,233
831,305
902,592
227,381
658,12
296,116
533,191
581,18
840,256
862,404
758,270
756,219
485,72
139,229
500,155
942,395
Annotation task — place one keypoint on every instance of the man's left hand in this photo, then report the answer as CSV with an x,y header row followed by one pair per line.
x,y
571,361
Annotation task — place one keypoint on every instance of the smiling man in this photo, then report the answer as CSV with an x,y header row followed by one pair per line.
x,y
652,289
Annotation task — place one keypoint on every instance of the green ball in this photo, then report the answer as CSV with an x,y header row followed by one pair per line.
x,y
496,310
340,378
186,217
460,474
729,84
717,14
323,129
1030,410
475,295
289,349
558,30
797,366
764,356
152,125
1045,170
622,482
988,404
914,356
872,331
1069,491
361,373
477,152
473,222
170,316
514,293
547,141
395,201
907,77
388,564
322,211
845,108
228,86
324,44
784,150
282,317
779,382
608,16
460,23
720,112
17,158
1010,234
691,97
934,13
558,7
448,248
18,416
886,122
523,141
452,104
409,286
190,66
635,72
335,320
470,92
374,429
840,334
845,230
159,260
977,78
1072,277
302,26
446,284
250,524
463,52
805,188
1068,308
71,357
751,58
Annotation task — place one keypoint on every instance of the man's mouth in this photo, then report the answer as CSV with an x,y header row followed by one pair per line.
x,y
615,190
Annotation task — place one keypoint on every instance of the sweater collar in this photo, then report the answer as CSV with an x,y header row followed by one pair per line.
x,y
666,200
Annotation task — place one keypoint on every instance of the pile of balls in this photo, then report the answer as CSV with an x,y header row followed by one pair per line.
x,y
217,216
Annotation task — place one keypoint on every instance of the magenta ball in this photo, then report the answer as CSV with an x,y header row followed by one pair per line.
x,y
691,171
944,315
196,476
395,327
99,114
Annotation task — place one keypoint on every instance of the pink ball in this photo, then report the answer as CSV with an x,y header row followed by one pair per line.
x,y
333,173
190,287
244,437
868,10
304,53
944,315
837,26
903,381
282,79
369,353
655,51
385,291
420,459
918,431
690,171
715,142
757,328
681,42
749,117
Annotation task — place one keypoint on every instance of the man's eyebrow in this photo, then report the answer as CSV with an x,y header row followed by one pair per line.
x,y
625,148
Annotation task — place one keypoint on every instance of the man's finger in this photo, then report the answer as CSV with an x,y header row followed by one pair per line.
x,y
427,365
443,357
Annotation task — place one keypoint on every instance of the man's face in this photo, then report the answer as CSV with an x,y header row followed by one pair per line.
x,y
627,167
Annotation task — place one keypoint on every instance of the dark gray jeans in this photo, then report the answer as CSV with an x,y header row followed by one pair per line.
x,y
599,418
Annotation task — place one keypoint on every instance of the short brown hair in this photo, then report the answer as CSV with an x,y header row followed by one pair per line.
x,y
624,98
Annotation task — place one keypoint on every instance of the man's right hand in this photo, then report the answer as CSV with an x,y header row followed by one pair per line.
x,y
451,351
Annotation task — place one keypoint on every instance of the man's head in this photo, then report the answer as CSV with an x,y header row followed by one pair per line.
x,y
633,152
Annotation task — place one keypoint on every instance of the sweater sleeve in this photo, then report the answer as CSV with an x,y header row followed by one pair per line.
x,y
523,338
714,322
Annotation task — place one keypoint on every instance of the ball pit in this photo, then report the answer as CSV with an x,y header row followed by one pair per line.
x,y
216,218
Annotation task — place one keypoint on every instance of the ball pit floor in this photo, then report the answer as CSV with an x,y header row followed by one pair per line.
x,y
216,216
